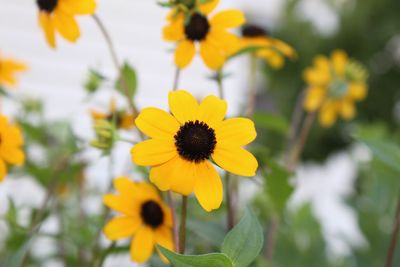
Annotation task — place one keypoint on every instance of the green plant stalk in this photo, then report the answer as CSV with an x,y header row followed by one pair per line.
x,y
182,227
252,94
175,229
394,237
176,79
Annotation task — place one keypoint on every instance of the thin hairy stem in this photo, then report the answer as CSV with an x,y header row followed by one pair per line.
x,y
219,78
182,227
176,79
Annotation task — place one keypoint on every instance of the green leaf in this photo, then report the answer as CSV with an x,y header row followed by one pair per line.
x,y
206,260
93,81
278,187
127,83
244,242
271,122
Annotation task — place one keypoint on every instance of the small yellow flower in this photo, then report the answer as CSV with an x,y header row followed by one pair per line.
x,y
123,119
183,143
273,51
11,141
211,34
144,217
59,16
8,69
334,85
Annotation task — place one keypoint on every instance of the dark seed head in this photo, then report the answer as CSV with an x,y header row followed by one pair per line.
x,y
195,141
197,28
47,5
152,214
251,30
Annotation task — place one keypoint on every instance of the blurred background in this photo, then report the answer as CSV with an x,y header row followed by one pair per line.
x,y
341,211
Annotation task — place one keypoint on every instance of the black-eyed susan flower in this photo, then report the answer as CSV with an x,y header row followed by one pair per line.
x,y
122,118
334,85
8,69
11,141
272,50
210,34
59,16
142,216
182,145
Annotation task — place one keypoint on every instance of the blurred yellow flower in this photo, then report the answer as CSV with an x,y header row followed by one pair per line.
x,y
143,216
183,143
8,69
59,16
334,85
11,141
123,119
211,34
271,50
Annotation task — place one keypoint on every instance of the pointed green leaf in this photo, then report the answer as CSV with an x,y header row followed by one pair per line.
x,y
244,242
206,260
127,83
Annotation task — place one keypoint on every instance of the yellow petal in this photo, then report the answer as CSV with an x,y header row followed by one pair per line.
x,y
157,123
209,6
237,131
347,109
78,7
184,53
163,236
121,204
12,136
317,77
236,160
208,188
46,23
167,215
146,191
314,98
3,170
174,31
121,227
12,155
212,55
224,40
125,186
339,61
153,152
183,105
357,91
13,66
328,114
212,110
228,19
66,26
142,244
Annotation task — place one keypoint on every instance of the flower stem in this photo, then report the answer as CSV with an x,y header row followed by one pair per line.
x,y
182,230
116,62
230,214
394,236
176,79
271,238
174,223
252,95
219,79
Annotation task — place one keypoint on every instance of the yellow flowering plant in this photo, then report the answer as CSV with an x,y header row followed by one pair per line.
x,y
202,180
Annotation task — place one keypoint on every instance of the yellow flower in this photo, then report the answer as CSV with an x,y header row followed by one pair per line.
x,y
123,119
183,143
334,85
271,50
211,34
11,141
59,16
8,69
143,216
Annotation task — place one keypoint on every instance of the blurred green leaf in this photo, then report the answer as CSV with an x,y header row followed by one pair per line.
x,y
17,258
278,187
127,81
244,242
93,81
206,260
271,122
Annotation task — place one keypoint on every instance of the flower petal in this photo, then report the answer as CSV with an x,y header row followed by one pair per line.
x,y
237,131
347,109
230,18
142,244
183,105
12,155
236,160
121,204
184,53
314,98
153,152
157,123
125,186
12,136
66,25
212,56
174,31
357,91
46,23
78,7
163,237
121,227
209,6
3,170
208,188
328,114
339,61
212,110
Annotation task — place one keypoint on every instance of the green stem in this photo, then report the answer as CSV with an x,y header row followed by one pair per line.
x,y
219,79
252,95
175,229
394,237
182,227
176,79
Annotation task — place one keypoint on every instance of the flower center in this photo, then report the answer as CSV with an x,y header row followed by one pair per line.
x,y
47,5
195,141
152,214
338,88
251,30
197,28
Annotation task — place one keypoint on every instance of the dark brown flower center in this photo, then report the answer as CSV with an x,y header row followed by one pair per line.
x,y
197,27
152,214
195,141
251,30
47,5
